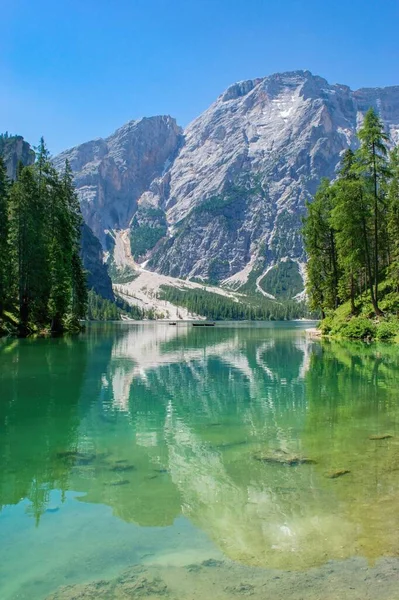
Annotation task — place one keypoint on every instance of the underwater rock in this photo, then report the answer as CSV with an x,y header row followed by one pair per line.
x,y
121,482
383,436
135,583
336,474
212,562
232,444
246,589
52,509
280,457
122,468
78,458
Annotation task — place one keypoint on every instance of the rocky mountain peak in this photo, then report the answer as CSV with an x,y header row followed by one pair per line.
x,y
112,173
223,200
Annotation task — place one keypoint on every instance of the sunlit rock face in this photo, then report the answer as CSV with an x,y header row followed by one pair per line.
x,y
233,187
15,150
258,152
112,173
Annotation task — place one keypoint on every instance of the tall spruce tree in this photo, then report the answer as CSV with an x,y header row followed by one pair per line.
x,y
26,246
373,168
79,297
4,246
393,218
320,245
349,220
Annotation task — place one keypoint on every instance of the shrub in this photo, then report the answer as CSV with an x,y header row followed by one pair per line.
x,y
387,330
359,328
326,325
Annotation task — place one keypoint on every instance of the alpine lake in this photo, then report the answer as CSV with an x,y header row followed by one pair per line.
x,y
143,460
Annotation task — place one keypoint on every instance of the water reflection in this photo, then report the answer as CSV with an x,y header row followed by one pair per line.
x,y
158,422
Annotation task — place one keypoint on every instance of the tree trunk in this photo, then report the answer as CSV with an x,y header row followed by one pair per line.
x,y
23,328
56,325
377,311
375,231
353,308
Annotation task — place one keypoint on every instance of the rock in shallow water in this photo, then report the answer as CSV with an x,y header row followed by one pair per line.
x,y
279,457
336,474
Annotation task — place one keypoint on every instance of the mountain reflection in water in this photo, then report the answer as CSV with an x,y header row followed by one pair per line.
x,y
258,436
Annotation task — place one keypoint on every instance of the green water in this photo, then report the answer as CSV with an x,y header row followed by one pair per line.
x,y
156,461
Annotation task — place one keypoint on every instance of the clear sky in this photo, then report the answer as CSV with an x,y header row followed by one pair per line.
x,y
73,70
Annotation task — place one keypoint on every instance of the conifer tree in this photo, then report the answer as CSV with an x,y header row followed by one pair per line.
x,y
79,297
393,217
320,244
4,247
26,256
374,169
347,219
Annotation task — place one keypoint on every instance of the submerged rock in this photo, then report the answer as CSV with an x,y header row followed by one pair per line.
x,y
382,436
212,562
117,468
336,474
77,457
280,457
52,509
121,482
232,444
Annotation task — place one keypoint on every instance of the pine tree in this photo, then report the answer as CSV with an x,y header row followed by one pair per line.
x,y
393,218
374,170
320,245
4,247
78,274
347,219
25,251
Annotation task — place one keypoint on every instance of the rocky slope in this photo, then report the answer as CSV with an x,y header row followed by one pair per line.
x,y
223,202
111,174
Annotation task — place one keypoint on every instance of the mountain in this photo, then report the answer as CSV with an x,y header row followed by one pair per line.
x,y
111,174
223,200
15,150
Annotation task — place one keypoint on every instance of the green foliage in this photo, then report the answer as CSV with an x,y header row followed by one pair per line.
x,y
41,234
148,228
283,281
359,328
217,307
351,236
320,245
100,309
4,247
387,330
144,238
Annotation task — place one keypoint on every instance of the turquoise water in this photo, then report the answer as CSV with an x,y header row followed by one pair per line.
x,y
149,461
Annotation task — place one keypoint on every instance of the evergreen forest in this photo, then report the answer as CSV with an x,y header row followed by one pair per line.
x,y
351,235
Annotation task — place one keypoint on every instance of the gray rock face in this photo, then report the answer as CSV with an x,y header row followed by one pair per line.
x,y
111,174
14,150
233,188
98,278
274,138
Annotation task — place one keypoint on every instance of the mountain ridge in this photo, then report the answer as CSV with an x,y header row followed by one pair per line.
x,y
222,201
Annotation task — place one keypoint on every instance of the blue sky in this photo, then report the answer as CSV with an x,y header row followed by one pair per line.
x,y
78,69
